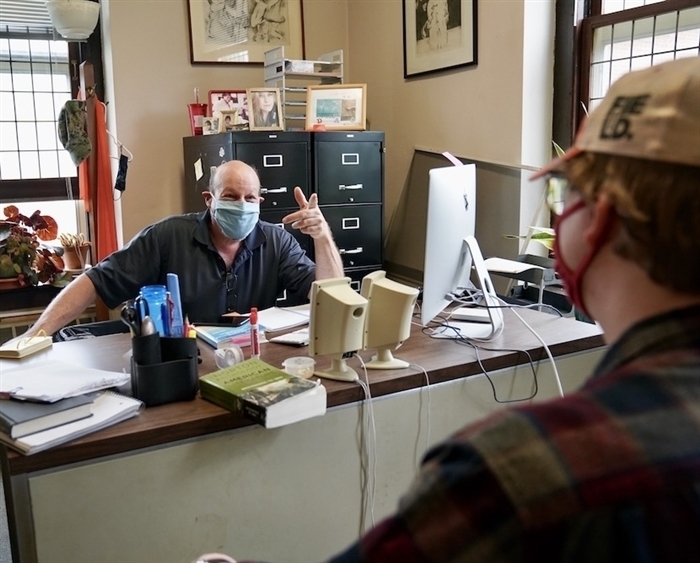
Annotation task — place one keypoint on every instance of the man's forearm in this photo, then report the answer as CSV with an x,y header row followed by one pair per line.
x,y
327,257
67,305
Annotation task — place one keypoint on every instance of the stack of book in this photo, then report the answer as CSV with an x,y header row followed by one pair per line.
x,y
50,403
33,427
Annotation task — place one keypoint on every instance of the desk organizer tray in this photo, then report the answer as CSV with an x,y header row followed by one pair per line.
x,y
164,370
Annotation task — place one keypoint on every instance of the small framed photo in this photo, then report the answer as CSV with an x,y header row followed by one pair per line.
x,y
336,106
223,100
265,109
230,120
210,125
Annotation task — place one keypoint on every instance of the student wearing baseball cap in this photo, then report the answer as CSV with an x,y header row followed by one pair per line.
x,y
610,473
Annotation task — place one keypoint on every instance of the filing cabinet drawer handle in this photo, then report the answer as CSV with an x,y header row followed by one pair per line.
x,y
342,187
357,250
282,190
350,158
272,160
351,223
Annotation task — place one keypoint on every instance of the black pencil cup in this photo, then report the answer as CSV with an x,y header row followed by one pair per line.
x,y
163,370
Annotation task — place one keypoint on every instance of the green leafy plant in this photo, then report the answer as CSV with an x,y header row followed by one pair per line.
x,y
543,235
22,254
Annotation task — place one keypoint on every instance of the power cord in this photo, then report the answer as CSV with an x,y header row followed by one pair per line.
x,y
427,386
370,441
557,380
476,348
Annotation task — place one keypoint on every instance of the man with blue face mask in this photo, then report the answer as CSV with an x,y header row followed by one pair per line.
x,y
226,258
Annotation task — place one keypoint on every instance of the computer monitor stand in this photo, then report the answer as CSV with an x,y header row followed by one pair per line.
x,y
490,320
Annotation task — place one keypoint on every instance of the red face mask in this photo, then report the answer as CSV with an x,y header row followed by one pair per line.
x,y
572,278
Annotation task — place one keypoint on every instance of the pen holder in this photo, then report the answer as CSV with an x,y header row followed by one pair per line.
x,y
163,370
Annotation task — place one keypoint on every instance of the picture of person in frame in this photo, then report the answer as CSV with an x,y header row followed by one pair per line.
x,y
265,110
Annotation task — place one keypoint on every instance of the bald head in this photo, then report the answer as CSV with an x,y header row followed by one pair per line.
x,y
234,176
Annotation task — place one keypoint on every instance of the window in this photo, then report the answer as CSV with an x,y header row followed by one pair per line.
x,y
34,85
39,72
623,35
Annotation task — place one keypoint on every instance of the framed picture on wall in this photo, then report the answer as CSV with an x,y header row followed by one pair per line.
x,y
438,35
336,106
240,31
265,109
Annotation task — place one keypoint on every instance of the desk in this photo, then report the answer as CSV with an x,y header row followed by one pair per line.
x,y
190,477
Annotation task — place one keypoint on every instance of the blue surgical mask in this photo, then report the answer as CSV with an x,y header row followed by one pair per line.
x,y
237,219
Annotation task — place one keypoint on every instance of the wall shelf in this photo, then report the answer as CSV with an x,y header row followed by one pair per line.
x,y
292,77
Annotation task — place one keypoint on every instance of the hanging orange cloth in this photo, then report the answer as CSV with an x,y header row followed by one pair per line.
x,y
102,215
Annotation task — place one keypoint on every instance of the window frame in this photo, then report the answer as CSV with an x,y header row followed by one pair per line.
x,y
576,22
61,188
594,20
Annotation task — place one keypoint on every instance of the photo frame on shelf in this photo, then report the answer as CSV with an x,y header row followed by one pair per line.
x,y
226,100
265,109
230,120
210,125
438,35
336,107
241,32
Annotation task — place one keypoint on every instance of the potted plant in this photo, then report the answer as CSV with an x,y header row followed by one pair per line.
x,y
24,260
75,250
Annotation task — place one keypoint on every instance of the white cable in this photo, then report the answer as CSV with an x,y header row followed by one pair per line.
x,y
427,385
371,433
544,344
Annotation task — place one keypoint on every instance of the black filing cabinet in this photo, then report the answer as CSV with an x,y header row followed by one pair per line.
x,y
345,169
348,176
282,160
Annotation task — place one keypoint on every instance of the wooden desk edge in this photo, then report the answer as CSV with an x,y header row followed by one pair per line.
x,y
158,426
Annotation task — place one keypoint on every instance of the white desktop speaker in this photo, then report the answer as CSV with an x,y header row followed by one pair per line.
x,y
336,325
388,318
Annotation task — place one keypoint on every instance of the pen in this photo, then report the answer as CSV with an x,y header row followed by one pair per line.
x,y
254,334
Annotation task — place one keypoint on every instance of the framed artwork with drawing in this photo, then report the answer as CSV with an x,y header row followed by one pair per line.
x,y
336,106
438,35
240,31
264,109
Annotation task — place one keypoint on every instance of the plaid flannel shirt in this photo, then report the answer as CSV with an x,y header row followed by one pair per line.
x,y
608,474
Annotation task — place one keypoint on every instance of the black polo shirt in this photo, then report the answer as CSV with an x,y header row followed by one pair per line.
x,y
269,261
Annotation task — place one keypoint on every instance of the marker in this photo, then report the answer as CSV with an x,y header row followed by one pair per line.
x,y
176,325
254,334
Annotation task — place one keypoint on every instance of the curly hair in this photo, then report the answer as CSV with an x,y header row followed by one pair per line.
x,y
659,207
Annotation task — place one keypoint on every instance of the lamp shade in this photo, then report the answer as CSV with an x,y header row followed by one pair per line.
x,y
73,19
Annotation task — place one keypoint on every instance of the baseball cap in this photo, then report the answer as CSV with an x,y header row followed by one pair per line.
x,y
652,114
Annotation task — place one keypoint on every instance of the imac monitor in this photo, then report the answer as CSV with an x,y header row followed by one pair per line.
x,y
450,251
451,219
336,325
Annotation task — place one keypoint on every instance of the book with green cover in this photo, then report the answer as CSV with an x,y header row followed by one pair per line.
x,y
264,393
